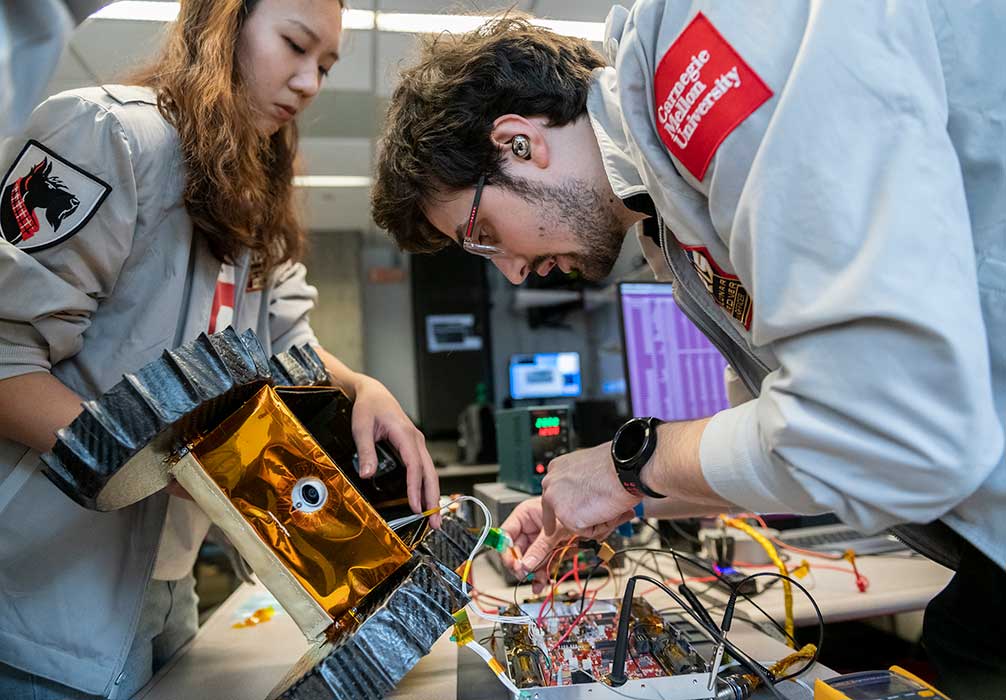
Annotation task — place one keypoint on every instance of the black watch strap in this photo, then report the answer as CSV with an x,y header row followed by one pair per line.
x,y
633,445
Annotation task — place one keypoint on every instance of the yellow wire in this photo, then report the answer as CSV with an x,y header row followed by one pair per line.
x,y
787,588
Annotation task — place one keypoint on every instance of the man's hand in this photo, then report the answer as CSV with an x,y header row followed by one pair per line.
x,y
377,415
582,491
524,527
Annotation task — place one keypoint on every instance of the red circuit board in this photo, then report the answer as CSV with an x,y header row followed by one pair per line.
x,y
590,647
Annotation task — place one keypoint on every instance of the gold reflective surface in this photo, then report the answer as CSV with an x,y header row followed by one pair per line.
x,y
340,551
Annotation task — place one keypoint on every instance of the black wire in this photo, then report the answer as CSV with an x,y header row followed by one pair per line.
x,y
745,660
705,567
735,591
817,611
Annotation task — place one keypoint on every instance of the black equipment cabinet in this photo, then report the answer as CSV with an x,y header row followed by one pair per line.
x,y
449,283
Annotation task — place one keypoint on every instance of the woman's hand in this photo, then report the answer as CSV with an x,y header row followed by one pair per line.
x,y
377,415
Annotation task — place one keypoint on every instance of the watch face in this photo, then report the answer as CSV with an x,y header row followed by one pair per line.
x,y
630,440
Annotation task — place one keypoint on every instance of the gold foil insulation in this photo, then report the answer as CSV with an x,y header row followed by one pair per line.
x,y
338,552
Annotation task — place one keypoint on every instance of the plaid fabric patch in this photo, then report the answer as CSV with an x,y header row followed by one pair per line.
x,y
26,220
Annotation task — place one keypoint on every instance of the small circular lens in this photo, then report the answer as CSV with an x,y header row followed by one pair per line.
x,y
309,494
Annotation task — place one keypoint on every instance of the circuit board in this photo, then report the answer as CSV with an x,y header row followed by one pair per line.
x,y
556,655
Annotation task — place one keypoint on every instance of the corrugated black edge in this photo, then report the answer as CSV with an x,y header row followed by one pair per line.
x,y
183,393
398,629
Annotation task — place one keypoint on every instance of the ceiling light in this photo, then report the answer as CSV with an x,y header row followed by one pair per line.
x,y
433,23
139,10
427,23
591,31
358,19
331,181
410,23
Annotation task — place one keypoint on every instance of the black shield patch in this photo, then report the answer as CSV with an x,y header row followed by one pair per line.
x,y
45,199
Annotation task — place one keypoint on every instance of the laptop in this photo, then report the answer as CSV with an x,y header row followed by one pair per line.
x,y
837,538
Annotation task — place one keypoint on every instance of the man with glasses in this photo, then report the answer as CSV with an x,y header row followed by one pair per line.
x,y
825,185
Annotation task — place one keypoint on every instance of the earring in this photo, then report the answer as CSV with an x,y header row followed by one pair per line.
x,y
521,146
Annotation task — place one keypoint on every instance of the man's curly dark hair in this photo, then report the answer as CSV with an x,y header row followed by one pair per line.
x,y
437,134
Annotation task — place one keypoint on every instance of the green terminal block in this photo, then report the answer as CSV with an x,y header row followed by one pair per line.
x,y
498,540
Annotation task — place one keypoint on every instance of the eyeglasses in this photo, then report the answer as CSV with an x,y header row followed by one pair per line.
x,y
468,243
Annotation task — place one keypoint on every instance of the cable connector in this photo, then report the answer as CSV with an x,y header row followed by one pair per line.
x,y
861,581
463,633
497,539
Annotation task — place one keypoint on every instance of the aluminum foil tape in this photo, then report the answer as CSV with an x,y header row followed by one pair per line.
x,y
153,412
398,628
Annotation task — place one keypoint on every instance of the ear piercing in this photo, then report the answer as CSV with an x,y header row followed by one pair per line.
x,y
521,146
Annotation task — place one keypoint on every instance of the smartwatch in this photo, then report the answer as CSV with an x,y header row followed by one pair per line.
x,y
631,449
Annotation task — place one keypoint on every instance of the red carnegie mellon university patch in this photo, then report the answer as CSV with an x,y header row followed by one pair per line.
x,y
704,89
726,289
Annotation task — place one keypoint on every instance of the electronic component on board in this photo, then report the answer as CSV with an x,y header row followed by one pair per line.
x,y
665,649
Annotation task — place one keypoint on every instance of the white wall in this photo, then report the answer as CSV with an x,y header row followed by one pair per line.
x,y
333,267
389,347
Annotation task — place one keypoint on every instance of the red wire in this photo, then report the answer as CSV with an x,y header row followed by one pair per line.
x,y
579,618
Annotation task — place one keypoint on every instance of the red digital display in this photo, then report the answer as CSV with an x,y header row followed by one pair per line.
x,y
549,432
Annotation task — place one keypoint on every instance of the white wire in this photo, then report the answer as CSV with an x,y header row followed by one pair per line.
x,y
804,684
502,619
486,656
487,516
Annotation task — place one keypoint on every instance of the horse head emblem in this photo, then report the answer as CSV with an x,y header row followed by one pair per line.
x,y
48,192
41,182
38,189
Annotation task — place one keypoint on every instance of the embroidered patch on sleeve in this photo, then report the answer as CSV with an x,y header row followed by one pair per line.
x,y
45,199
726,289
703,91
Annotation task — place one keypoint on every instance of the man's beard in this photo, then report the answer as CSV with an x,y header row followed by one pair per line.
x,y
576,205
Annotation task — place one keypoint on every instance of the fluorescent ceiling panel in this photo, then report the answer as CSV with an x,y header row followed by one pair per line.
x,y
331,181
363,19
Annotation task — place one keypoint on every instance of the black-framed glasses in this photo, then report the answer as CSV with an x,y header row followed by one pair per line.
x,y
470,244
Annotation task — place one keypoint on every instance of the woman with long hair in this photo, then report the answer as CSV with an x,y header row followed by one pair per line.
x,y
135,217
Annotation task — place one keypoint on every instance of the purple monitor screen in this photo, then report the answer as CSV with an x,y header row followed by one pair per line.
x,y
673,372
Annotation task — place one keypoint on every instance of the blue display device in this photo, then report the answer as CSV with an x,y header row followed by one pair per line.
x,y
545,375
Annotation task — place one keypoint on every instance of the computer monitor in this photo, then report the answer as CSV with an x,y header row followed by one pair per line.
x,y
672,371
545,375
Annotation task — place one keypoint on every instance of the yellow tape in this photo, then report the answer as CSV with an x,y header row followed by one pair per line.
x,y
802,570
463,633
787,587
605,553
256,618
495,666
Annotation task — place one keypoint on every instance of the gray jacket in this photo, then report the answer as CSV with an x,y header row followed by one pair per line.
x,y
833,214
101,273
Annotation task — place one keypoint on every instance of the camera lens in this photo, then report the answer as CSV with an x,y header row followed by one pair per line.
x,y
310,495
